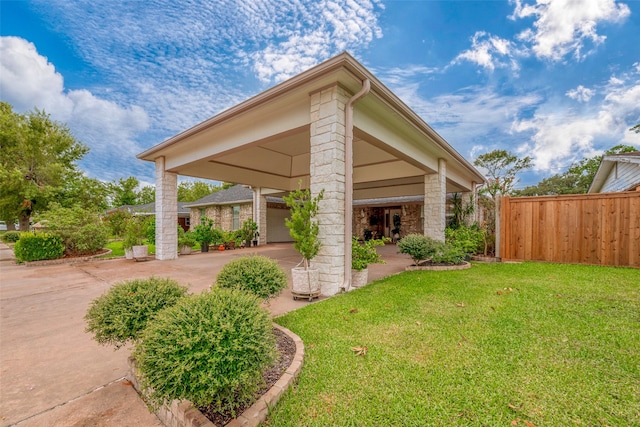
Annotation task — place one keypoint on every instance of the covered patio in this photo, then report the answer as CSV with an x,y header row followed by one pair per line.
x,y
334,127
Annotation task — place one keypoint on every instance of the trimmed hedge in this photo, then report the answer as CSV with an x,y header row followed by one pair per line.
x,y
209,348
36,247
123,312
11,236
257,274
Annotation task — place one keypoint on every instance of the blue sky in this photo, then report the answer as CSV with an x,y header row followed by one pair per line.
x,y
557,80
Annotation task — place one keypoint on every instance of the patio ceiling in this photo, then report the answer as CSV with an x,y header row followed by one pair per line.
x,y
265,141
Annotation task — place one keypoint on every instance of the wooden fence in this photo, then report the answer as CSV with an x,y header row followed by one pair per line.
x,y
602,229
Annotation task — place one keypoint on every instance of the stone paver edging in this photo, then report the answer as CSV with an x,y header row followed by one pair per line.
x,y
462,266
184,414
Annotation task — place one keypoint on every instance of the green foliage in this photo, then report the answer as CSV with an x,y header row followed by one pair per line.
x,y
249,230
190,191
418,247
124,191
576,179
11,236
82,231
134,232
150,229
147,194
363,254
37,158
36,247
303,227
210,349
469,239
205,233
124,311
501,168
461,210
447,253
185,238
256,274
117,221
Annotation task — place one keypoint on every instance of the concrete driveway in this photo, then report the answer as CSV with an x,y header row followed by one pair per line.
x,y
53,374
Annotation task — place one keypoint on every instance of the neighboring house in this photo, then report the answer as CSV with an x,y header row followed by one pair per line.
x,y
150,209
231,207
616,173
334,127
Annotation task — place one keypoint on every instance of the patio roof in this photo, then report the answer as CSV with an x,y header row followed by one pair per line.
x,y
264,141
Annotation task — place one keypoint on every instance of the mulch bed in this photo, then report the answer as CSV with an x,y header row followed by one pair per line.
x,y
286,349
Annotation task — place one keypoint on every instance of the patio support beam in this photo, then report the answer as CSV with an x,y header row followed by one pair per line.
x,y
435,199
327,172
166,212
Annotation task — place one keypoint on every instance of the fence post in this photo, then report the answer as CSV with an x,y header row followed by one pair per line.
x,y
497,217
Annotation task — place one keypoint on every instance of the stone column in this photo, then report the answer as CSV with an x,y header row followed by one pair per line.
x,y
327,168
166,212
435,199
260,214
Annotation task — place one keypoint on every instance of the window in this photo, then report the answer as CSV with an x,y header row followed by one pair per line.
x,y
236,217
203,214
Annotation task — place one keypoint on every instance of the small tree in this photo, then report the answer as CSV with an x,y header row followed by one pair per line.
x,y
501,169
303,227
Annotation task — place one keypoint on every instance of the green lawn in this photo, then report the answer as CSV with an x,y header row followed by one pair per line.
x,y
118,251
495,345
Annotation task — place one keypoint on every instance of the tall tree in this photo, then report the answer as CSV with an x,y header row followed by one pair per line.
x,y
190,191
576,179
37,155
147,195
636,128
124,191
501,169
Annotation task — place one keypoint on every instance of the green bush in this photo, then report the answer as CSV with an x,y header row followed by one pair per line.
x,y
469,239
150,229
418,247
210,349
11,236
120,314
363,254
448,254
257,274
82,231
36,247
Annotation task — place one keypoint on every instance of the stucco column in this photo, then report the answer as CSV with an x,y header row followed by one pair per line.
x,y
166,212
327,168
435,199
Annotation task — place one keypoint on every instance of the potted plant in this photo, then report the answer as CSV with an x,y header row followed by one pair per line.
x,y
249,231
134,239
363,254
304,230
204,233
186,240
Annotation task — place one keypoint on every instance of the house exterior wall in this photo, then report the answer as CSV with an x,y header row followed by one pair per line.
x,y
222,216
411,220
622,177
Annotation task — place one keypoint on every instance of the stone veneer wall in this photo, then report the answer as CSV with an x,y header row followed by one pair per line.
x,y
327,168
411,219
222,216
435,191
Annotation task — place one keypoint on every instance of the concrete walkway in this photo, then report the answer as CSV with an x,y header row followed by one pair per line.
x,y
53,374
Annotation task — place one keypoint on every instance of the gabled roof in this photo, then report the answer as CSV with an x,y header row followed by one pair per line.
x,y
606,165
236,194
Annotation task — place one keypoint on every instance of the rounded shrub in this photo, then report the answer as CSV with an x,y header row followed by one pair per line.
x,y
36,247
209,348
257,274
11,236
418,247
123,312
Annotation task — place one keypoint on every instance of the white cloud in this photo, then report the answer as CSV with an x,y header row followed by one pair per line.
x,y
564,26
342,26
560,136
30,81
581,94
490,52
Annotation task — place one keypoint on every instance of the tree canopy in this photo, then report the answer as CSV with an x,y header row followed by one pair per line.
x,y
576,179
501,169
37,156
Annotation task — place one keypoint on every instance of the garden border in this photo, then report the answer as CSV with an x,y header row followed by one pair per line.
x,y
185,414
462,266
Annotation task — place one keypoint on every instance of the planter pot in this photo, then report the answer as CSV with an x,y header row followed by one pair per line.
x,y
140,251
359,278
255,243
204,247
248,243
305,282
128,253
185,250
221,248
